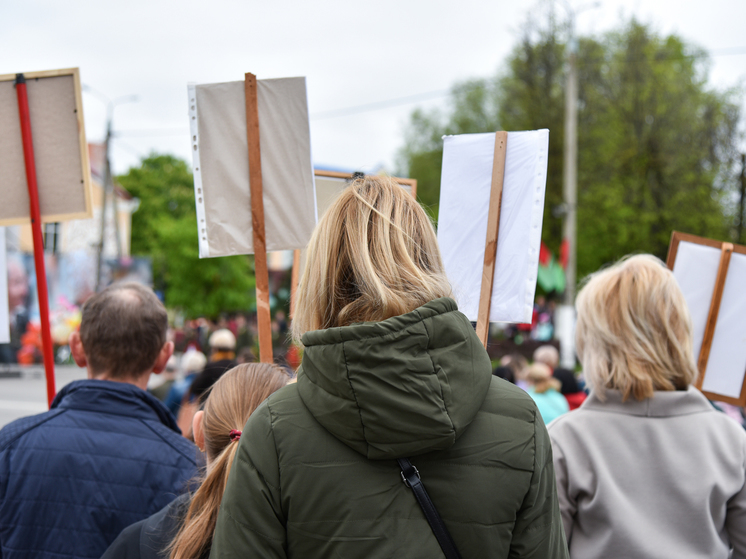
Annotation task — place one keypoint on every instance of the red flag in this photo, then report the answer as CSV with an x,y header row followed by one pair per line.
x,y
564,253
545,255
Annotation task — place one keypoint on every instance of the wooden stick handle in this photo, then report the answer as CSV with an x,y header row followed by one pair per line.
x,y
726,250
493,228
263,317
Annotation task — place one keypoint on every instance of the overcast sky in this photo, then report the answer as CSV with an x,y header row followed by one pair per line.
x,y
352,53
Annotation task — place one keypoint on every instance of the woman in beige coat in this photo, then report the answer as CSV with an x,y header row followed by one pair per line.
x,y
646,467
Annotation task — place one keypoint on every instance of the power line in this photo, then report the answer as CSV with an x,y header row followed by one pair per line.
x,y
380,104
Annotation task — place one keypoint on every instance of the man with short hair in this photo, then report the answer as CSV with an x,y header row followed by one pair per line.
x,y
108,453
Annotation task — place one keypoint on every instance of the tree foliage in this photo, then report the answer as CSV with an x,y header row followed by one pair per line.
x,y
165,228
656,145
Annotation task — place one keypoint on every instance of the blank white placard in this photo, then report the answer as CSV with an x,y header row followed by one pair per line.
x,y
695,270
466,184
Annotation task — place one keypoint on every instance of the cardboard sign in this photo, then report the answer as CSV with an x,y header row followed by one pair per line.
x,y
217,114
469,162
712,276
60,149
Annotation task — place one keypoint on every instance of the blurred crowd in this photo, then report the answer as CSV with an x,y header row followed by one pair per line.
x,y
395,438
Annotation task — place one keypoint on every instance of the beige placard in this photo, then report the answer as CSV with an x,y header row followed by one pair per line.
x,y
60,150
221,166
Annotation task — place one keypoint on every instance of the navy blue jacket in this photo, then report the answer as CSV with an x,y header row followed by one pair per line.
x,y
106,455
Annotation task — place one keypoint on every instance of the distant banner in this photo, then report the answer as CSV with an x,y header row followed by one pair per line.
x,y
71,279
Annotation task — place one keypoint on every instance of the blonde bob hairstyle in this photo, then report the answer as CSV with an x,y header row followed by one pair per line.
x,y
634,331
373,255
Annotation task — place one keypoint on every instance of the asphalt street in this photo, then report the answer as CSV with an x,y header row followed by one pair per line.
x,y
27,394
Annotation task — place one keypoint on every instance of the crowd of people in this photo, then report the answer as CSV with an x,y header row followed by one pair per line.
x,y
394,438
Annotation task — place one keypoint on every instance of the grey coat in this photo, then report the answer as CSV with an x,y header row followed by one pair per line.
x,y
659,478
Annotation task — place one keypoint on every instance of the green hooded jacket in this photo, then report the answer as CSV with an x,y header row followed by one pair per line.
x,y
315,475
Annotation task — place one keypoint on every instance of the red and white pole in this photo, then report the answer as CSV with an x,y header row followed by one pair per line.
x,y
33,194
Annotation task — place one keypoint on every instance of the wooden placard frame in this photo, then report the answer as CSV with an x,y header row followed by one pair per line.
x,y
296,272
726,250
83,146
490,244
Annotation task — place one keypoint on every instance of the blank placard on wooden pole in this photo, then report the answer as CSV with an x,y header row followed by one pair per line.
x,y
712,318
264,319
493,228
711,275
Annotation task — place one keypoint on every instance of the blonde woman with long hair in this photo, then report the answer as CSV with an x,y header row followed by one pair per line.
x,y
391,370
646,467
184,529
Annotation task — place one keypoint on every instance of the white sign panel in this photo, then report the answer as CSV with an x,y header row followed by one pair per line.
x,y
695,270
465,188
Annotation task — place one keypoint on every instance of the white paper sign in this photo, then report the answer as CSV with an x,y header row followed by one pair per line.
x,y
4,313
217,114
465,187
695,271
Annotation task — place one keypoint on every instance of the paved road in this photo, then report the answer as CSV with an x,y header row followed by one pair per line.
x,y
27,395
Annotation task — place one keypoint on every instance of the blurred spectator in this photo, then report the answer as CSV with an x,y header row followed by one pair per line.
x,y
166,380
190,519
570,388
519,365
192,363
544,389
222,358
505,373
108,453
548,355
245,355
244,338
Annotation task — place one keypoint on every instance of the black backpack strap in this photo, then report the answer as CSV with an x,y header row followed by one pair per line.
x,y
411,478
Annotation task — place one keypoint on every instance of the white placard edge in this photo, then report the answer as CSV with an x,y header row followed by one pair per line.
x,y
204,243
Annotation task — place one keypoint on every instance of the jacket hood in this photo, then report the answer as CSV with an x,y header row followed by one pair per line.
x,y
401,387
106,396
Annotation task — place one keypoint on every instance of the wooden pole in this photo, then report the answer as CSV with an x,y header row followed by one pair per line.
x,y
41,274
493,228
264,319
712,318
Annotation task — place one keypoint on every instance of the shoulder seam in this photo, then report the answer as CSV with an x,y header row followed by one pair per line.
x,y
32,425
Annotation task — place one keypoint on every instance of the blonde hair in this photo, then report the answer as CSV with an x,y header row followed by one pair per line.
x,y
230,402
373,255
634,331
539,375
548,355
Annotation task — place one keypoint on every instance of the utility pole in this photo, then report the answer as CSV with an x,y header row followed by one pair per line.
x,y
742,201
108,185
570,183
566,312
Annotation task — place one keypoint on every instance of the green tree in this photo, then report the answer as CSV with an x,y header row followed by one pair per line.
x,y
165,228
656,145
